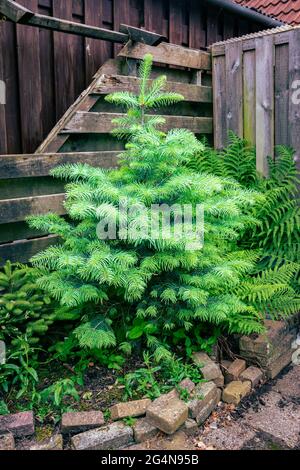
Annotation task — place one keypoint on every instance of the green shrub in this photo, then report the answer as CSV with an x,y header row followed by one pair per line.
x,y
144,290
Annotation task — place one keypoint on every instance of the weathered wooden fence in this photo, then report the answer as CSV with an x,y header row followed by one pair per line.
x,y
45,71
83,134
255,86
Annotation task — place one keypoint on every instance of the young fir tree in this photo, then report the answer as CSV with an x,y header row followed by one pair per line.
x,y
149,287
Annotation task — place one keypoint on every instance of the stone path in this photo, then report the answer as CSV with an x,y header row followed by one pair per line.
x,y
269,419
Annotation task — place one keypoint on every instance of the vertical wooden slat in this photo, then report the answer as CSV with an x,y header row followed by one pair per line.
x,y
294,107
64,63
212,25
249,96
219,102
176,22
30,83
234,88
197,34
48,116
281,94
154,16
121,15
96,52
3,138
228,26
10,67
264,102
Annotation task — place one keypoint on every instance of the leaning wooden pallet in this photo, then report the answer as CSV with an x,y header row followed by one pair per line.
x,y
83,135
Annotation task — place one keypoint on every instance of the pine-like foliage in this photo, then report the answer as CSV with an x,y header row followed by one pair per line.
x,y
149,287
276,287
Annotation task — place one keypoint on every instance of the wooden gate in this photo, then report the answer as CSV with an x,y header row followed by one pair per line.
x,y
255,81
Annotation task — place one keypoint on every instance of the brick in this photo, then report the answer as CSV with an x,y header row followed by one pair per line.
x,y
253,374
203,393
167,413
235,391
54,443
190,427
188,385
207,410
209,369
143,430
110,437
19,424
130,409
7,441
278,365
81,421
235,369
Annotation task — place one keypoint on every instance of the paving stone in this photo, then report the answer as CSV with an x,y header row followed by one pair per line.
x,y
209,369
190,427
54,443
235,369
143,430
289,384
262,344
130,409
253,374
187,384
167,413
7,441
206,411
279,422
235,391
110,437
225,364
19,424
233,437
81,421
203,394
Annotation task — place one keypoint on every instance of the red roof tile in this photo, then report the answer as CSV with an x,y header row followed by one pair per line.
x,y
284,10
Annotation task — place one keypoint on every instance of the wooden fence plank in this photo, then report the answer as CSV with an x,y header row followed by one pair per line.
x,y
219,99
22,166
234,88
3,133
30,86
16,210
249,96
294,106
21,251
264,102
82,123
169,54
281,97
192,93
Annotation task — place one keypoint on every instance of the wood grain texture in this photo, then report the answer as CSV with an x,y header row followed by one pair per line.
x,y
294,105
21,251
169,54
282,84
219,102
249,96
193,93
22,166
264,102
234,88
16,210
100,123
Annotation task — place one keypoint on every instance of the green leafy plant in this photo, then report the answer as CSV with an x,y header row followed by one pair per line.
x,y
25,309
274,285
157,285
152,380
57,392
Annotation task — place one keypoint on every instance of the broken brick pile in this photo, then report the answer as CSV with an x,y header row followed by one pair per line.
x,y
229,381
